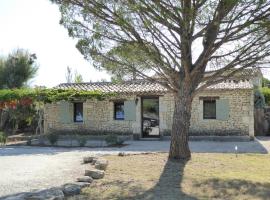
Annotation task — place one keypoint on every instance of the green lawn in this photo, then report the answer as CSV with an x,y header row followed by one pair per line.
x,y
205,176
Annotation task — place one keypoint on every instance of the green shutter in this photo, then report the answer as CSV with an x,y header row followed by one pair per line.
x,y
222,109
130,110
65,112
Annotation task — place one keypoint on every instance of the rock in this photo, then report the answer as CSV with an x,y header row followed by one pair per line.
x,y
83,184
88,159
121,154
94,160
101,164
71,189
95,173
86,179
17,196
49,194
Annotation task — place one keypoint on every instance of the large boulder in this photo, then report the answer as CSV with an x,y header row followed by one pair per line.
x,y
86,179
17,196
101,164
71,189
49,194
95,173
88,159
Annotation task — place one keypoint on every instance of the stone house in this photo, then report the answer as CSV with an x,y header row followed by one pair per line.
x,y
145,109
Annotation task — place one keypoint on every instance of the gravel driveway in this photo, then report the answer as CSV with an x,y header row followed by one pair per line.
x,y
32,168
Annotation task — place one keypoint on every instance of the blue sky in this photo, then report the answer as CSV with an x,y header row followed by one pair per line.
x,y
34,25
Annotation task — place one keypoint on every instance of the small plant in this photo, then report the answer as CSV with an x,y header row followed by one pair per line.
x,y
112,140
3,138
53,138
29,141
81,140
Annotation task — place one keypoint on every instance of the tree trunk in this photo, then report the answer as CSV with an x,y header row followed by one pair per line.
x,y
179,148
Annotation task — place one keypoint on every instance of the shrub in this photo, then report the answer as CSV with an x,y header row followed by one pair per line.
x,y
266,93
3,138
29,141
41,139
53,138
81,140
88,132
113,140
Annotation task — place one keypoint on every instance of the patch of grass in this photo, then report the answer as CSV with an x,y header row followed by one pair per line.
x,y
205,176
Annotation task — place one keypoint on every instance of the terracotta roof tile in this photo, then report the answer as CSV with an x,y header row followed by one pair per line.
x,y
146,87
136,87
232,84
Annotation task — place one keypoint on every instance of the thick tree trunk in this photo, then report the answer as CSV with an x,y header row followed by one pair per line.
x,y
179,148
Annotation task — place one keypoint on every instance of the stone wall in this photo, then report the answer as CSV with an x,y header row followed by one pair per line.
x,y
239,122
98,118
98,115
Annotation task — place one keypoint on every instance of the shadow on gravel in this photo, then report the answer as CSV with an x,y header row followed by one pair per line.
x,y
145,146
26,150
33,150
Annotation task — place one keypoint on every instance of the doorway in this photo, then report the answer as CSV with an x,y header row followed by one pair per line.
x,y
150,117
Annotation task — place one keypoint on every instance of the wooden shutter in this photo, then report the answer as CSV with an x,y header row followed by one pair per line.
x,y
222,109
130,110
65,112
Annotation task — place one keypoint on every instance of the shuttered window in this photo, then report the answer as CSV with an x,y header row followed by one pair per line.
x,y
130,110
223,109
65,112
209,109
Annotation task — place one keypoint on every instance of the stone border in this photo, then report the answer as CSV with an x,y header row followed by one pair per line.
x,y
96,171
55,193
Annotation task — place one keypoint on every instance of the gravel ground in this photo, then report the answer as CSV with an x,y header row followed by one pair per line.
x,y
26,169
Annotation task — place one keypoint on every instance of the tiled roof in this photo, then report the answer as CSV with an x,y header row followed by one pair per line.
x,y
232,84
245,73
145,87
136,87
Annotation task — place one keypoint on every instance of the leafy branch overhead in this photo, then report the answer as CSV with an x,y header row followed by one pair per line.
x,y
179,39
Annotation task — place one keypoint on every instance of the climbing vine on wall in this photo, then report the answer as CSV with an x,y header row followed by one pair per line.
x,y
12,99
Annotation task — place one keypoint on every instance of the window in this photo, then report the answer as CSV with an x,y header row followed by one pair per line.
x,y
119,113
78,112
209,109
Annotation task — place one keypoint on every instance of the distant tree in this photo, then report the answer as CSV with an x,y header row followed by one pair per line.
x,y
69,75
265,82
180,39
78,77
17,69
73,76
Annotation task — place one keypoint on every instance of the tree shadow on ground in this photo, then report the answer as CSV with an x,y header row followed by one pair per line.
x,y
169,184
168,187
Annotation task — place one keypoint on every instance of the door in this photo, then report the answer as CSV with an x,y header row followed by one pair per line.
x,y
150,117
